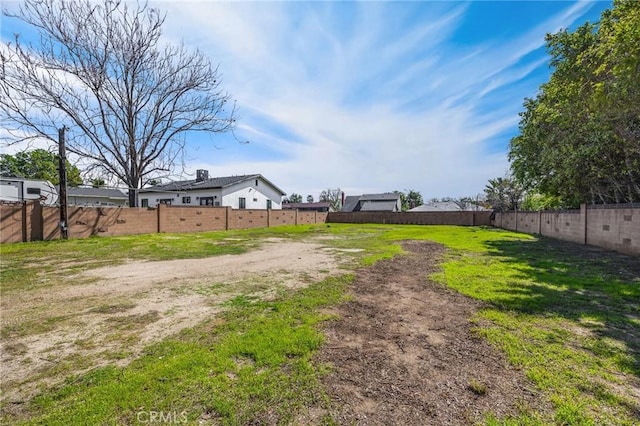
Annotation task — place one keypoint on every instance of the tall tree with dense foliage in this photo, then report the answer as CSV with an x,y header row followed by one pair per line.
x,y
102,70
38,164
503,194
579,138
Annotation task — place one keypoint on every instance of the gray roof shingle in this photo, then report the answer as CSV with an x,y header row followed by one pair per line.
x,y
95,192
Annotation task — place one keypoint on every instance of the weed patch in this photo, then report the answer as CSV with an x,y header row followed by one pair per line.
x,y
253,364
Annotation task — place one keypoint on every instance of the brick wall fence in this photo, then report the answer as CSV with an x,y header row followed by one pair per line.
x,y
470,218
31,222
613,227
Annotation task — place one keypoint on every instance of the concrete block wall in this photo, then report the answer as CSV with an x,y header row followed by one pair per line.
x,y
614,227
245,219
566,226
191,219
306,218
282,217
413,218
12,223
84,222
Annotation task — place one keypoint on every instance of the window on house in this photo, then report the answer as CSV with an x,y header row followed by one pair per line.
x,y
217,204
255,200
144,202
206,201
268,204
186,200
256,182
166,201
242,203
35,191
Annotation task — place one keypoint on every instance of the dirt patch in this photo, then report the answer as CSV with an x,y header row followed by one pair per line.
x,y
404,352
108,315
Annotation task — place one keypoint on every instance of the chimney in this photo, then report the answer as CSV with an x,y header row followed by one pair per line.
x,y
202,175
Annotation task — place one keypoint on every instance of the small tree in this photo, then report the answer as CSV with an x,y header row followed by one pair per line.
x,y
409,199
97,183
333,197
309,198
503,194
101,70
295,198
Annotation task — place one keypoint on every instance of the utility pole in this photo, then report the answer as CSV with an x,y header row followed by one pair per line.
x,y
62,168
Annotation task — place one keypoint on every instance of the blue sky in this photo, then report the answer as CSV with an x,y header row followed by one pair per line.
x,y
371,96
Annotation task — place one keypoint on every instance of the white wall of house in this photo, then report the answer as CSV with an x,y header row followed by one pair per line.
x,y
182,198
256,192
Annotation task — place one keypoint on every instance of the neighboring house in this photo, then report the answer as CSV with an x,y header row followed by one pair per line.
x,y
445,206
20,189
96,197
387,202
238,192
318,207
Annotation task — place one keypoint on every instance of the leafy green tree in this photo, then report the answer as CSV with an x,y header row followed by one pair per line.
x,y
503,194
97,183
295,198
535,201
579,139
309,198
410,199
38,164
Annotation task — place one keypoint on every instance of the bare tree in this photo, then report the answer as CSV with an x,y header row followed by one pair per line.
x,y
102,70
333,197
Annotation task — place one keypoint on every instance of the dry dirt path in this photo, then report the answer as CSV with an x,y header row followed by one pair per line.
x,y
403,352
108,315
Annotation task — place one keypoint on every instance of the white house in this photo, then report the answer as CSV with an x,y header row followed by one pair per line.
x,y
238,192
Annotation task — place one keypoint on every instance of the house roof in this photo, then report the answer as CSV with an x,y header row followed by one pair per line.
x,y
211,183
318,205
371,202
380,197
445,206
350,203
95,192
439,206
377,206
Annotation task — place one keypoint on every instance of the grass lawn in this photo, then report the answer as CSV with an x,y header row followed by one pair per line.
x,y
569,316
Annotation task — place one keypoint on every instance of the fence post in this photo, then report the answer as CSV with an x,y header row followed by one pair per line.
x,y
158,214
539,222
23,212
583,222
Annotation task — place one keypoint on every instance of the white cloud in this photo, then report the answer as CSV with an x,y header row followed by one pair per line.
x,y
365,96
